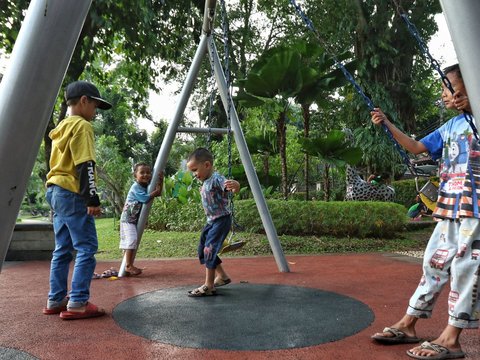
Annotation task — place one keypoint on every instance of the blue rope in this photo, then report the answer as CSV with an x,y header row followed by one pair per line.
x,y
357,87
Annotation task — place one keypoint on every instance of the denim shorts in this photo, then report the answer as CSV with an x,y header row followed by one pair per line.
x,y
211,241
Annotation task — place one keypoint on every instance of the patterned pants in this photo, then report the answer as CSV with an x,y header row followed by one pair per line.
x,y
453,252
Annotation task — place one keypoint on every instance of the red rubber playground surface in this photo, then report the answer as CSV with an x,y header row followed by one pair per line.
x,y
383,282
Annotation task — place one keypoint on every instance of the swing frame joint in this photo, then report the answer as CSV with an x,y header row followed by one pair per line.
x,y
209,16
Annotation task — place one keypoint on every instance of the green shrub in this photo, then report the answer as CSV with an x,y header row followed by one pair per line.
x,y
172,215
359,219
405,191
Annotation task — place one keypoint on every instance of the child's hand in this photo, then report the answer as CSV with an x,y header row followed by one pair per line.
x,y
158,186
378,117
232,185
460,100
94,210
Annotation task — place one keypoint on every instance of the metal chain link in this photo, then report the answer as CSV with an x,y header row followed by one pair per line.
x,y
350,78
212,86
433,62
226,69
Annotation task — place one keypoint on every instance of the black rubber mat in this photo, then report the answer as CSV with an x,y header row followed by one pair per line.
x,y
244,317
14,354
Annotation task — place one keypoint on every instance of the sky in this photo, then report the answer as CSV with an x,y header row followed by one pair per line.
x,y
162,105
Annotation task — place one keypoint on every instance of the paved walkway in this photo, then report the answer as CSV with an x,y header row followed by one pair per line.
x,y
383,282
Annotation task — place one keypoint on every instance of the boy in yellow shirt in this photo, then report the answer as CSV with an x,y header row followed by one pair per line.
x,y
72,195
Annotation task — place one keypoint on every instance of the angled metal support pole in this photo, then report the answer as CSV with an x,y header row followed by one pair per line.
x,y
28,91
247,160
167,142
464,26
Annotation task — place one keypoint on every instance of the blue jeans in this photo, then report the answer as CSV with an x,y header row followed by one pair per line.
x,y
211,241
74,231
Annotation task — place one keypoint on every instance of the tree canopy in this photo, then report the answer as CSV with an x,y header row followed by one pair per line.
x,y
132,48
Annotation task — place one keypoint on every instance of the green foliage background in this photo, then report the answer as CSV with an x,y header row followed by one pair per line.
x,y
340,219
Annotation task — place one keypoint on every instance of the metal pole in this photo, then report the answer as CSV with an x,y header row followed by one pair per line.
x,y
463,23
201,130
167,142
28,91
247,161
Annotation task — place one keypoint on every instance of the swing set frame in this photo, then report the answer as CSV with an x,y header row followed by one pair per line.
x,y
207,46
37,67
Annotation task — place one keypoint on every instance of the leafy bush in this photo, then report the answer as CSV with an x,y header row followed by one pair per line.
x,y
405,191
172,215
181,186
360,219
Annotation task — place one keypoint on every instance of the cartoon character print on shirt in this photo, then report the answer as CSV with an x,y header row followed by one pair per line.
x,y
455,158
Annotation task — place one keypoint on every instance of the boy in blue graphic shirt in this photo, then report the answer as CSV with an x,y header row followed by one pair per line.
x,y
137,196
214,194
449,252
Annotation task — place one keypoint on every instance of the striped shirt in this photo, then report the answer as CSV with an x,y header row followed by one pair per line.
x,y
459,169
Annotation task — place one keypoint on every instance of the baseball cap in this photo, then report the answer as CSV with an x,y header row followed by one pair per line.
x,y
79,88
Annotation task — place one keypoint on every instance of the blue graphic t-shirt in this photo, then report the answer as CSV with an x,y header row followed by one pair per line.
x,y
137,196
214,197
459,155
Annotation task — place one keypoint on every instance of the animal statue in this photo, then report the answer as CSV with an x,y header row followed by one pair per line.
x,y
360,190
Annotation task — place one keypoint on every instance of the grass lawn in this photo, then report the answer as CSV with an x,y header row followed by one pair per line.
x,y
158,244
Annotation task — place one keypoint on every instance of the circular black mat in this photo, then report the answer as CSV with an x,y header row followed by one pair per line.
x,y
244,317
14,354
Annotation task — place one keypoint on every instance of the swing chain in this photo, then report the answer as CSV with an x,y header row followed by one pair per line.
x,y
433,62
350,78
423,46
229,99
211,100
345,72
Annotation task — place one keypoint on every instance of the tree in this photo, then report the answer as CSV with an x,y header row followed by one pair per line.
x,y
114,171
134,35
333,150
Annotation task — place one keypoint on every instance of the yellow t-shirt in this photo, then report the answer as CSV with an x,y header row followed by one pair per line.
x,y
72,144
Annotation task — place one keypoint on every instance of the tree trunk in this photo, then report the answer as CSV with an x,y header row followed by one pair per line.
x,y
266,168
306,158
326,183
282,147
117,199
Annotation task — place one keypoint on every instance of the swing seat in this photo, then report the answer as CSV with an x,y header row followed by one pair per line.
x,y
228,247
429,193
230,244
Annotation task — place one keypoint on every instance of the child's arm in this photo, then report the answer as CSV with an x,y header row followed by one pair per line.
x,y
232,185
158,187
88,189
412,145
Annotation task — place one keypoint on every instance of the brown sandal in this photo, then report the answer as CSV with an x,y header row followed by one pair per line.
x,y
202,291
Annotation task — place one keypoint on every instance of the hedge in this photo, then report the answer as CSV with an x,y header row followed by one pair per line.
x,y
293,217
405,191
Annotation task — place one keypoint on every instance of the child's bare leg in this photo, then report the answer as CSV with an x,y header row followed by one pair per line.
x,y
129,259
221,273
210,278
